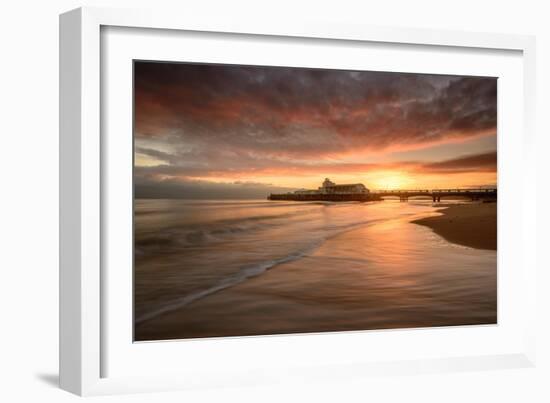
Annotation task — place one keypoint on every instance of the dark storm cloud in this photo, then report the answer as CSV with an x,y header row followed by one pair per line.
x,y
486,162
158,155
314,111
194,122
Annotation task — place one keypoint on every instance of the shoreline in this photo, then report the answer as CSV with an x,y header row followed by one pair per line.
x,y
359,280
471,225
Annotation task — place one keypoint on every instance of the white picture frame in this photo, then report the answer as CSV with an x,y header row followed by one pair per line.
x,y
84,343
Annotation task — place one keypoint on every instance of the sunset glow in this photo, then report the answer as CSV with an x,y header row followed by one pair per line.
x,y
225,128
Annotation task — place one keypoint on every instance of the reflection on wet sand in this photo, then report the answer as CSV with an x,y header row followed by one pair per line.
x,y
383,273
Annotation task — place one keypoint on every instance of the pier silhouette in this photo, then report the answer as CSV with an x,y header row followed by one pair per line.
x,y
403,194
436,194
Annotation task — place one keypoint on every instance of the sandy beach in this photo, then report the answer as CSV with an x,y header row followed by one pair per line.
x,y
472,225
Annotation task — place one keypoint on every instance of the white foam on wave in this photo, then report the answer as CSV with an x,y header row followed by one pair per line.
x,y
252,271
245,273
237,278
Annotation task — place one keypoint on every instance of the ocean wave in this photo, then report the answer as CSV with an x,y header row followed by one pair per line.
x,y
217,231
248,272
237,203
215,205
230,281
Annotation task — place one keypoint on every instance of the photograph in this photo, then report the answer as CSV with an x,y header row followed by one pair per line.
x,y
273,200
244,202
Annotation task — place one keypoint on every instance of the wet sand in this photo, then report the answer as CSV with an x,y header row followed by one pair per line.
x,y
472,225
339,287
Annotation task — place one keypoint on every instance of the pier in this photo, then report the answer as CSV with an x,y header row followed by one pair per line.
x,y
437,194
330,191
335,197
403,194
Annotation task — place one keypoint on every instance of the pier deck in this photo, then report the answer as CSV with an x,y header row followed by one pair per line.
x,y
403,195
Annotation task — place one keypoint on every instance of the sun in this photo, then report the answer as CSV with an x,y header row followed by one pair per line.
x,y
391,181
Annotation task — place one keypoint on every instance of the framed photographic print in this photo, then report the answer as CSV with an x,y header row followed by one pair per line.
x,y
255,202
232,237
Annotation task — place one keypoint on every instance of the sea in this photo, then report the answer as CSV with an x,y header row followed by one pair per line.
x,y
367,256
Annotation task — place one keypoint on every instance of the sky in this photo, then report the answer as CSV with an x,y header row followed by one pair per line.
x,y
229,131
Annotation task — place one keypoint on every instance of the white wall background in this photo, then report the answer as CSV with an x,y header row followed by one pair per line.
x,y
29,201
